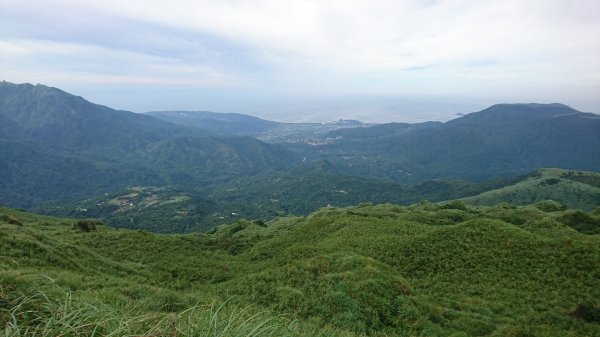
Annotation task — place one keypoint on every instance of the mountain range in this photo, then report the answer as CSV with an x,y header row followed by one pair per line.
x,y
56,146
199,223
502,140
59,152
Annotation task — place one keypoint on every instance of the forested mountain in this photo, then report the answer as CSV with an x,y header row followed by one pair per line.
x,y
227,124
60,121
56,146
60,153
503,140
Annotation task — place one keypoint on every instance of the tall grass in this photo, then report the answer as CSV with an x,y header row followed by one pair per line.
x,y
56,311
385,270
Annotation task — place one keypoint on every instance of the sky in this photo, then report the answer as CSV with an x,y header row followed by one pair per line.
x,y
303,60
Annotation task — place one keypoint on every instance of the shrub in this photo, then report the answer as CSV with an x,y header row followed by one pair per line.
x,y
588,312
87,225
551,181
11,220
550,206
455,204
581,222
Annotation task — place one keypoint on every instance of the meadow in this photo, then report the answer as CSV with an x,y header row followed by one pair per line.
x,y
446,269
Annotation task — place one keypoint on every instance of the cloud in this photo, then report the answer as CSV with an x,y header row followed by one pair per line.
x,y
313,47
93,64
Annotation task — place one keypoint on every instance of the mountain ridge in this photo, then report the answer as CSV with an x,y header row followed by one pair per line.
x,y
215,122
110,145
79,149
501,140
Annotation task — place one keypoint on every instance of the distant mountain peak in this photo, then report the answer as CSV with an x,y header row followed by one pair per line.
x,y
515,112
530,107
216,122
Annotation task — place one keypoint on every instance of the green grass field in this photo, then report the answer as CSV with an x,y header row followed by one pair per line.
x,y
379,270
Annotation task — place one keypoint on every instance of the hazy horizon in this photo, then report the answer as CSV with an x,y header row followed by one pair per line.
x,y
298,61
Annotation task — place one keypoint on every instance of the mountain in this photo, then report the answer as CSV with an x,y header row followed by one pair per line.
x,y
503,140
56,119
383,270
225,124
61,150
380,131
233,124
573,189
57,146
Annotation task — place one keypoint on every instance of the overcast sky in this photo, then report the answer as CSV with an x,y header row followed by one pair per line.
x,y
308,60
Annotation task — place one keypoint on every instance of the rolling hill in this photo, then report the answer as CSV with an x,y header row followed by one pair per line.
x,y
424,270
234,124
574,189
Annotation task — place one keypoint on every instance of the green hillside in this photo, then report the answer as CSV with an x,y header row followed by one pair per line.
x,y
57,147
574,189
385,270
264,197
502,140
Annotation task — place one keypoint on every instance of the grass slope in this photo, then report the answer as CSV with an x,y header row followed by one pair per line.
x,y
385,270
575,189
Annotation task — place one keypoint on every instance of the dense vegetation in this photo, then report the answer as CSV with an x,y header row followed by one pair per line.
x,y
307,188
424,270
502,140
264,197
57,147
303,266
574,189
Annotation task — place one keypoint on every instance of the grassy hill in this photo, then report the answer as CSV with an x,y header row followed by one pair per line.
x,y
385,270
574,189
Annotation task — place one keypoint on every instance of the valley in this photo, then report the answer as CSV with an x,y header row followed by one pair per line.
x,y
180,223
411,168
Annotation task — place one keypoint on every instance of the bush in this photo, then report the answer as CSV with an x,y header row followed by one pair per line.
x,y
588,312
11,220
551,181
550,206
581,222
455,204
87,225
